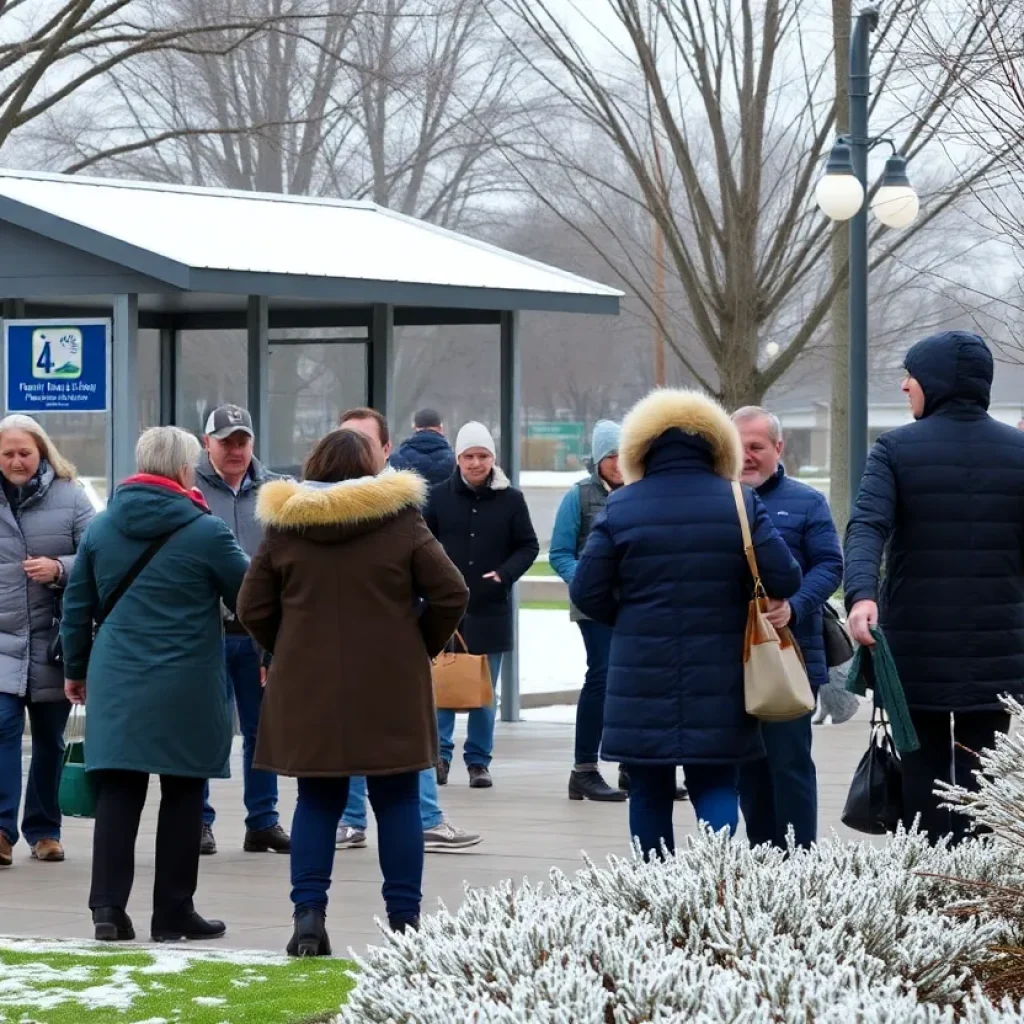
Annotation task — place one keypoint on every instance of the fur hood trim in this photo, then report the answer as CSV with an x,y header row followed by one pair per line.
x,y
288,505
690,411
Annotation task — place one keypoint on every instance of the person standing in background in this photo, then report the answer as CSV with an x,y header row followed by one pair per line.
x,y
782,789
426,450
576,515
484,525
439,834
230,477
43,514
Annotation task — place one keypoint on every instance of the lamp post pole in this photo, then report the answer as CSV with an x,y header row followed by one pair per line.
x,y
860,143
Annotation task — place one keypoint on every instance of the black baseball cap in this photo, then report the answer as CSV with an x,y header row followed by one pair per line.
x,y
226,420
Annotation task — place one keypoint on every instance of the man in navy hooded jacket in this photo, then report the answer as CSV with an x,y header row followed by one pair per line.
x,y
426,450
782,790
943,498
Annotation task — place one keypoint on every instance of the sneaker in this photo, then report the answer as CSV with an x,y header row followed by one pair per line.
x,y
442,769
6,852
349,838
479,776
447,837
267,840
48,850
208,845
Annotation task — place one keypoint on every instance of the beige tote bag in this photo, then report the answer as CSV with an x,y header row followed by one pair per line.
x,y
462,681
775,682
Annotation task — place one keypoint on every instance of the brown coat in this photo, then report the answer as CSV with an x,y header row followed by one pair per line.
x,y
332,595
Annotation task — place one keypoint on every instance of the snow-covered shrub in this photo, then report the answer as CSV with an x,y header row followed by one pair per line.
x,y
846,932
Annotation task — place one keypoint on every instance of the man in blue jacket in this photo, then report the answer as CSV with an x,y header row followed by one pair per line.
x,y
426,450
782,790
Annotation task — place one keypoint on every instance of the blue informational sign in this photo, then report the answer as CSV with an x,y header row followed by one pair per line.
x,y
56,365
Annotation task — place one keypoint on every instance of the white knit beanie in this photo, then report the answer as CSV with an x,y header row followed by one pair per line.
x,y
474,435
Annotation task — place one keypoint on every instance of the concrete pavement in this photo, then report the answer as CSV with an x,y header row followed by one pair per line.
x,y
529,826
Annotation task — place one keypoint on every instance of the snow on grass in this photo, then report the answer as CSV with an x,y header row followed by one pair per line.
x,y
79,983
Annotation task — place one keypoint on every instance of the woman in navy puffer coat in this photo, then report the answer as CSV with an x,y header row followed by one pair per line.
x,y
664,565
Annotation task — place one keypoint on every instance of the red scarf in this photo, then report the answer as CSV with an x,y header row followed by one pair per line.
x,y
152,480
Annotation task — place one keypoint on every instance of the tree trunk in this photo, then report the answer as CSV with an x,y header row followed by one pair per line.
x,y
839,433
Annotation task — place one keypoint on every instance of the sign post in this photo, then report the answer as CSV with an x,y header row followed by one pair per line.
x,y
56,365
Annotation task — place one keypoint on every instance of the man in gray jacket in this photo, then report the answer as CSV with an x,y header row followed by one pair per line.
x,y
230,478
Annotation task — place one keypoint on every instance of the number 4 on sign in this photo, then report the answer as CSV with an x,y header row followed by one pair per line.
x,y
45,361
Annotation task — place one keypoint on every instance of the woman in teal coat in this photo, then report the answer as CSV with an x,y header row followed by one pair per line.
x,y
152,678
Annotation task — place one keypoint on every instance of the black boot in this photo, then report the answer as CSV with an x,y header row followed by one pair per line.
x,y
404,924
186,926
590,785
112,925
310,935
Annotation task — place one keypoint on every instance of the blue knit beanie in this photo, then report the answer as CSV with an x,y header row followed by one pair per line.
x,y
606,441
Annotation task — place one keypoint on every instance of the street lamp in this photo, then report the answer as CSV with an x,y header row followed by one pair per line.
x,y
840,195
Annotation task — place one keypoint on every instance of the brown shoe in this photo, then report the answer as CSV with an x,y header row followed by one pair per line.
x,y
6,853
48,850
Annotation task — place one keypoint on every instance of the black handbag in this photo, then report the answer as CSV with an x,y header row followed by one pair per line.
x,y
838,642
875,802
54,647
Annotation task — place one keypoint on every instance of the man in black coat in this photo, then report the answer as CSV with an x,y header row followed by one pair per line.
x,y
484,526
943,498
426,450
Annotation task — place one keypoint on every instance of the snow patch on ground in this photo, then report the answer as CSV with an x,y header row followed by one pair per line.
x,y
551,652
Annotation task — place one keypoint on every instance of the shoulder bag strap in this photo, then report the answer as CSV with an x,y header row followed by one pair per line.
x,y
748,543
133,573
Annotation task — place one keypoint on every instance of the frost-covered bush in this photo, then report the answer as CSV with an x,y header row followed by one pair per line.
x,y
846,932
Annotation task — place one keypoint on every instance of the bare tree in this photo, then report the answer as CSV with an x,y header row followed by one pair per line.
x,y
717,117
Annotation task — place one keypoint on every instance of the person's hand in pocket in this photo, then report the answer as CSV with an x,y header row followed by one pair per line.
x,y
492,576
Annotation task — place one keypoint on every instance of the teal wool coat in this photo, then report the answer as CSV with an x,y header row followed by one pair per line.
x,y
156,695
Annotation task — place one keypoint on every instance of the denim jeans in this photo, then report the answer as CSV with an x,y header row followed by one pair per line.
x,y
480,730
395,800
242,664
430,810
652,792
41,819
597,638
781,789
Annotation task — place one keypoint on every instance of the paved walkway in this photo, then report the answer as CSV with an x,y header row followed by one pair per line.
x,y
528,824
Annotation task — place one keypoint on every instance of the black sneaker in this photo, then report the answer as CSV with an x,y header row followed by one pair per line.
x,y
189,926
267,840
208,845
112,925
590,785
479,777
442,767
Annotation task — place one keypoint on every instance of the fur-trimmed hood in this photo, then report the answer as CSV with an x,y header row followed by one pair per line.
x,y
333,512
691,412
498,482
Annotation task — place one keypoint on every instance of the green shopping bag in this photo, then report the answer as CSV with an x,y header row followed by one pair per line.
x,y
77,789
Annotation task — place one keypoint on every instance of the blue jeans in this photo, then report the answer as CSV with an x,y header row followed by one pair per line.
x,y
430,810
597,638
781,789
395,800
480,732
42,804
242,664
652,793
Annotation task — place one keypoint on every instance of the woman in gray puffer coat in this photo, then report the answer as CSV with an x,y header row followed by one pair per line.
x,y
43,514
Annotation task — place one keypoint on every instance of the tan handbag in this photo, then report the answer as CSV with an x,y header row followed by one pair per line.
x,y
775,683
462,681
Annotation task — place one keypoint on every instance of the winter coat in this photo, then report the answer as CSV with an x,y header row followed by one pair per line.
x,y
156,693
237,510
802,517
573,522
943,499
664,566
428,453
483,531
352,596
49,523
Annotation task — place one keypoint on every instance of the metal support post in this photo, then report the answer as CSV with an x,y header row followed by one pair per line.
x,y
258,326
170,359
123,419
382,359
511,401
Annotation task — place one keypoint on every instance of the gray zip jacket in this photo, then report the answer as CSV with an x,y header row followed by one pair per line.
x,y
237,510
50,524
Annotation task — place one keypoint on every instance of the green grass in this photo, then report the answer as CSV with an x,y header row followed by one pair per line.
x,y
541,569
545,606
65,983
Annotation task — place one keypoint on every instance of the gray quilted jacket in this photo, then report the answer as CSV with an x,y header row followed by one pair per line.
x,y
49,524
